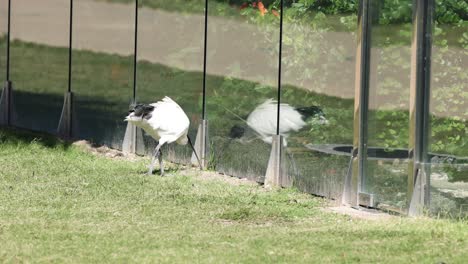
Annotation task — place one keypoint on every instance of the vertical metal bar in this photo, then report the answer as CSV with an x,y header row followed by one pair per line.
x,y
135,52
364,96
70,47
8,42
361,104
64,128
70,65
419,101
205,45
9,87
279,69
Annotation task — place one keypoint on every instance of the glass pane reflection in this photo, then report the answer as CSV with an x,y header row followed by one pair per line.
x,y
39,60
102,70
389,102
170,63
242,75
3,39
449,113
319,50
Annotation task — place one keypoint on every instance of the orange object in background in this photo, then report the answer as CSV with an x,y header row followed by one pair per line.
x,y
262,8
275,13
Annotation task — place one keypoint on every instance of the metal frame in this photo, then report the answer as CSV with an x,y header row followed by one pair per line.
x,y
5,104
135,51
277,171
201,141
276,174
361,107
419,169
133,138
65,125
8,41
205,50
280,48
6,97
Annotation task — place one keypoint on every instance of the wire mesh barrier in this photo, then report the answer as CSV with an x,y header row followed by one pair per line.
x,y
360,103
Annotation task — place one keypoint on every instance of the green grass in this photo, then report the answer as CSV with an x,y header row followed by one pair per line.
x,y
61,204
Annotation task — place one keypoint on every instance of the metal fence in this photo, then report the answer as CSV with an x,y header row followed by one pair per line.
x,y
255,79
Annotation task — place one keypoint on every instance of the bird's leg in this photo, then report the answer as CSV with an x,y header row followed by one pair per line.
x,y
161,168
155,154
194,151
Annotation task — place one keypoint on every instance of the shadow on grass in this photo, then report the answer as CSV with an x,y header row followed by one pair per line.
x,y
157,172
15,136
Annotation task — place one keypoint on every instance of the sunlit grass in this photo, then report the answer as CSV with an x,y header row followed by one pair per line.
x,y
61,204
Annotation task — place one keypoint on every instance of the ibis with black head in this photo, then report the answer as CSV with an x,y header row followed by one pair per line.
x,y
166,122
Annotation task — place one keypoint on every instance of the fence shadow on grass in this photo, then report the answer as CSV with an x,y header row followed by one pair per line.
x,y
14,136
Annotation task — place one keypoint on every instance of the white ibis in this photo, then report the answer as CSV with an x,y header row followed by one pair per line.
x,y
263,120
166,122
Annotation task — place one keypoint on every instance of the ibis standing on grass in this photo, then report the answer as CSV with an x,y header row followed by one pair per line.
x,y
166,122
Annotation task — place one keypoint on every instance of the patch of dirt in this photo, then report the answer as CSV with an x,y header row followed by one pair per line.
x,y
105,151
366,214
216,176
182,169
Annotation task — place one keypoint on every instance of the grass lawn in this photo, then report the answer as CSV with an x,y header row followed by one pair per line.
x,y
59,203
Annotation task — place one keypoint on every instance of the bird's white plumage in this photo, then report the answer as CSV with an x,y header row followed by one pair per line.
x,y
168,122
263,120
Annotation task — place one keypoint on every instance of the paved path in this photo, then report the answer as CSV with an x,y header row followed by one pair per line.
x,y
236,49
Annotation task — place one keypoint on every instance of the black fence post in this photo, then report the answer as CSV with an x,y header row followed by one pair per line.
x,y
201,141
65,124
6,96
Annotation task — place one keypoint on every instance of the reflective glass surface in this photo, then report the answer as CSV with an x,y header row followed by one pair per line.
x,y
318,72
389,87
102,70
170,63
449,112
3,39
39,60
242,86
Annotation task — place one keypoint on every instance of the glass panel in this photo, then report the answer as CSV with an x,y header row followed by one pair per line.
x,y
449,189
319,49
242,75
39,60
449,111
170,63
389,102
102,70
3,39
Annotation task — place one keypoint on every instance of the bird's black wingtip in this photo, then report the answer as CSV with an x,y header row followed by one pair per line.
x,y
310,111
